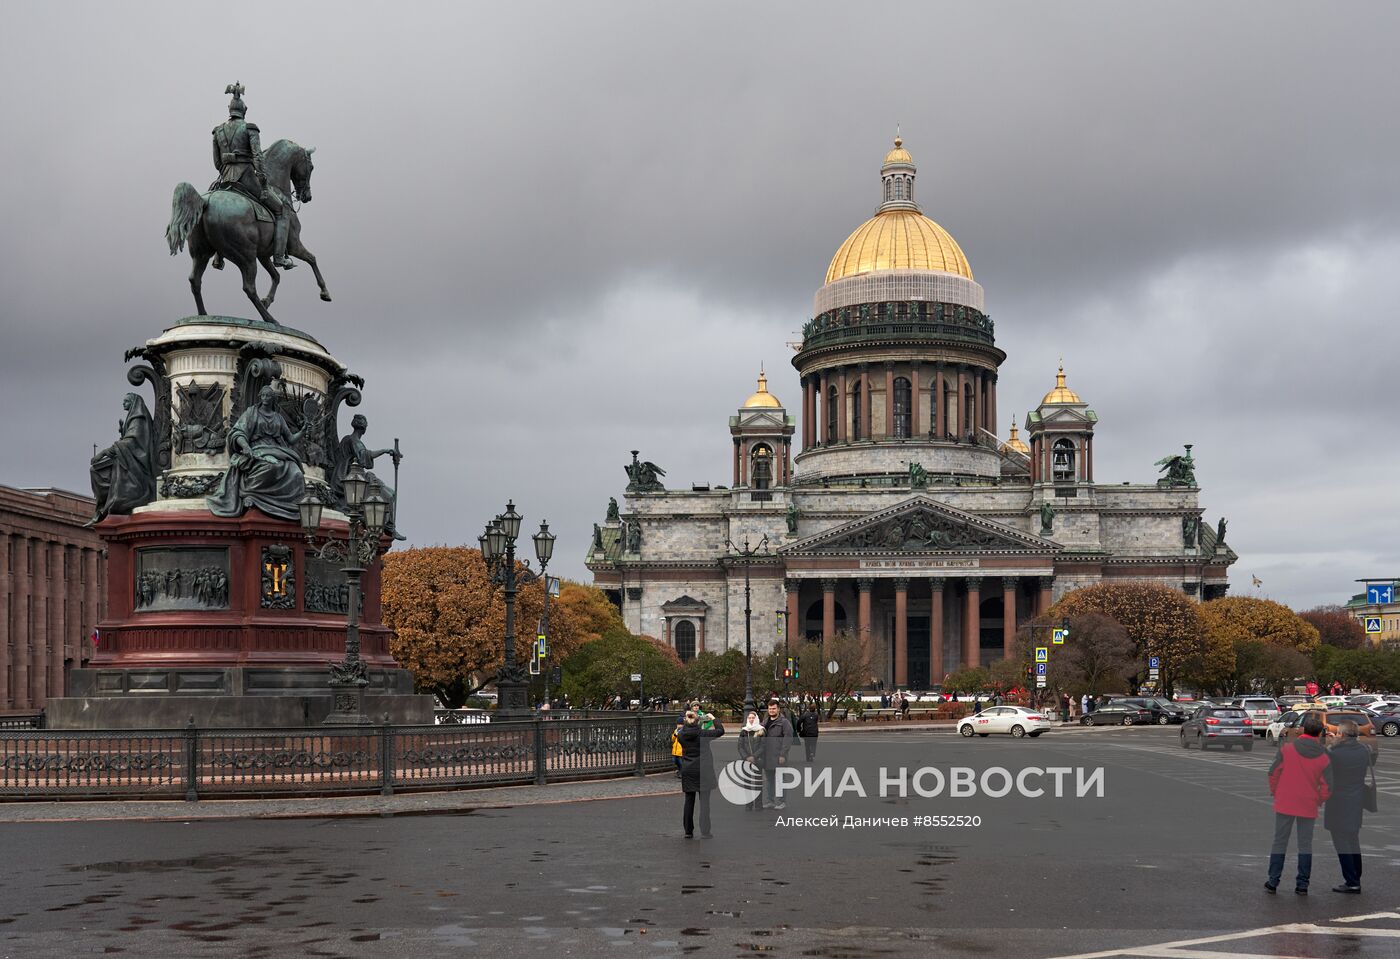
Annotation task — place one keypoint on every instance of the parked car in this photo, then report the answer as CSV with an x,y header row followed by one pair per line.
x,y
1261,709
1216,725
1366,700
1291,701
1331,717
1387,722
1016,721
1117,714
1164,711
1332,701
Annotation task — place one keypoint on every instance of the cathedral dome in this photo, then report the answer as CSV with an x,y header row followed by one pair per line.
x,y
1014,443
898,240
762,399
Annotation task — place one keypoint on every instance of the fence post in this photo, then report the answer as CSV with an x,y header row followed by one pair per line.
x,y
191,762
641,753
386,758
541,768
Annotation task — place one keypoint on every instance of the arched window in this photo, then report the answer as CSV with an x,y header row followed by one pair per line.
x,y
856,409
685,640
761,467
903,396
1062,461
812,625
832,401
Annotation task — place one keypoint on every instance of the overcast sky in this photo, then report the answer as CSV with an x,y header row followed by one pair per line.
x,y
557,232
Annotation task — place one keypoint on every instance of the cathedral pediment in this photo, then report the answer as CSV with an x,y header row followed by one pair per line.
x,y
749,419
921,525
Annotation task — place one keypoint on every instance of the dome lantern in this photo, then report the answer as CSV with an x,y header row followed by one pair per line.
x,y
762,399
897,178
1061,393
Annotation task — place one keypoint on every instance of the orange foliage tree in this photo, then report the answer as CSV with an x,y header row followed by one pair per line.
x,y
1272,643
1162,622
449,621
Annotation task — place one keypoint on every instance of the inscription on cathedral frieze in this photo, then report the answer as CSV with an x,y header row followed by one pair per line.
x,y
920,563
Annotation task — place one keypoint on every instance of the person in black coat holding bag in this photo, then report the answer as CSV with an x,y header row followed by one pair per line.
x,y
1351,761
698,777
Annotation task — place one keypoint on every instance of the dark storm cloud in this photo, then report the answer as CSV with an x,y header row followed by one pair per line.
x,y
610,213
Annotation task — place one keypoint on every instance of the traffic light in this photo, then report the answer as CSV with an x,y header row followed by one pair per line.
x,y
1064,624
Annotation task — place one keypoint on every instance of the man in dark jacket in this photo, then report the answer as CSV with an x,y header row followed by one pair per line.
x,y
810,722
1300,780
1351,759
698,777
777,740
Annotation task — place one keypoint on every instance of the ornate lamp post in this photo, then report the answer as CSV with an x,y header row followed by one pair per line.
x,y
366,512
498,549
544,549
747,553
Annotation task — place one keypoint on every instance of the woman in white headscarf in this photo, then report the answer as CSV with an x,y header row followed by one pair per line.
x,y
751,747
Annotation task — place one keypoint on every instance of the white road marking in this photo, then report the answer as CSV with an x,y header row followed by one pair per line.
x,y
1182,948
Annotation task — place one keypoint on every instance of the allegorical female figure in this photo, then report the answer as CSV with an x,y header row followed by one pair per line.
x,y
354,452
124,474
264,469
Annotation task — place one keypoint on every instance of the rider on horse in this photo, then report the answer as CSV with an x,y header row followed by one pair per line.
x,y
238,158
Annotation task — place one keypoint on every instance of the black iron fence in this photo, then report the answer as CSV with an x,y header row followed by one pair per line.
x,y
193,763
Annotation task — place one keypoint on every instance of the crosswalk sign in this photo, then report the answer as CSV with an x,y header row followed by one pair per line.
x,y
1373,624
1042,654
1057,636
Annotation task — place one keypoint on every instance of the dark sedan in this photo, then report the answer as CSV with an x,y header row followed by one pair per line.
x,y
1164,711
1117,714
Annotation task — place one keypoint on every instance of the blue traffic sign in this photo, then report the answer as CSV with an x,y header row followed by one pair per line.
x,y
1040,669
1380,593
1373,624
1154,662
1042,654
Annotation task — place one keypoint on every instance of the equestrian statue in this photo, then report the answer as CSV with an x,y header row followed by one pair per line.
x,y
247,217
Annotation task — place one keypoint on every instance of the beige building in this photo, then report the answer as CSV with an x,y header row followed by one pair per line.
x,y
891,504
51,589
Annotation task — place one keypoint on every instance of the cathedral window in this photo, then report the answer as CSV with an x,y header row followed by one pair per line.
x,y
855,410
685,640
1062,461
902,407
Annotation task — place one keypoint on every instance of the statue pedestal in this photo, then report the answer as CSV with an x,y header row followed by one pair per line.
x,y
232,620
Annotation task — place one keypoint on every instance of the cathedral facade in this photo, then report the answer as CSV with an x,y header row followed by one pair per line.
x,y
887,504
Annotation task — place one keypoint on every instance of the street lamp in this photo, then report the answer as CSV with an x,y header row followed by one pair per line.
x,y
544,549
747,553
366,516
498,550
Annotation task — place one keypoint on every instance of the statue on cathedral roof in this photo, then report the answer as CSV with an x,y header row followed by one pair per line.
x,y
644,477
1179,470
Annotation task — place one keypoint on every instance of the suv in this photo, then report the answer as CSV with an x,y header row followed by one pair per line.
x,y
1215,725
1261,709
1331,717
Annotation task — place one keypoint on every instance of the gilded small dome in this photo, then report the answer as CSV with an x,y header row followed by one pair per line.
x,y
762,399
1014,443
1061,393
898,154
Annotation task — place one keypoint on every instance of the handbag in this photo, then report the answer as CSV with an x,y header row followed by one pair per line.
x,y
1368,792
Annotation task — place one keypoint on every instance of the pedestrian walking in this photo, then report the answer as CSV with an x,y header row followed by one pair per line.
x,y
809,722
1300,780
751,748
777,740
1352,761
1064,707
698,778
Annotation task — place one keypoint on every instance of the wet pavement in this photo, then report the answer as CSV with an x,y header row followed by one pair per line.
x,y
1173,850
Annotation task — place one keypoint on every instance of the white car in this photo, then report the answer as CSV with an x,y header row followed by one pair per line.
x,y
1332,702
1289,719
1017,721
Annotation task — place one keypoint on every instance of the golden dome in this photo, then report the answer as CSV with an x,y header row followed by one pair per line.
x,y
762,399
1014,443
898,240
898,154
1061,393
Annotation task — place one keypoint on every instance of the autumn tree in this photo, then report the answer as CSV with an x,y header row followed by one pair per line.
x,y
1272,644
1161,621
449,620
967,681
815,680
717,678
1098,656
1335,627
599,670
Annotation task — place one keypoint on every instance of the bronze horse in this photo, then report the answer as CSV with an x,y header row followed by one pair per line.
x,y
223,222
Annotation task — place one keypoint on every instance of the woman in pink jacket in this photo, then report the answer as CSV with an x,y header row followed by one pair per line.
x,y
1300,780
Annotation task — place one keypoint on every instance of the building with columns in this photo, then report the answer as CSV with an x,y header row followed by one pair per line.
x,y
51,592
905,517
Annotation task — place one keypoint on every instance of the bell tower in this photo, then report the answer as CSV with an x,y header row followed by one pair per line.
x,y
762,433
1061,433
